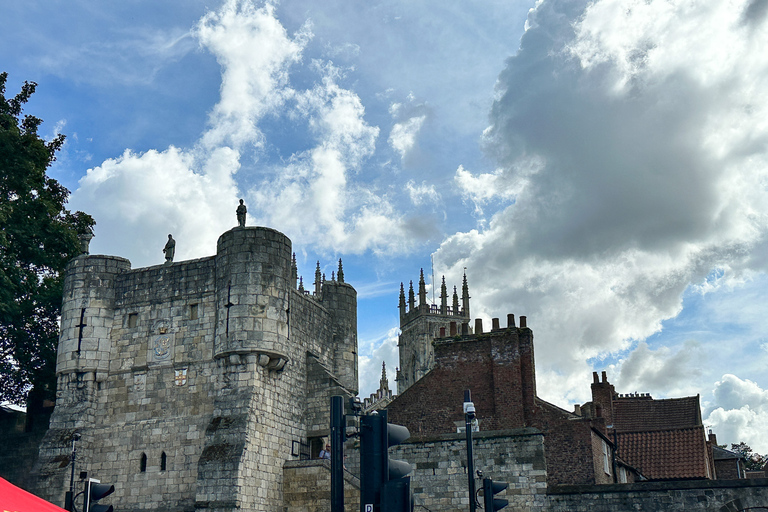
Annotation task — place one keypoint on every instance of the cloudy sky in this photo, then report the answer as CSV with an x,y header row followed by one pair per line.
x,y
601,167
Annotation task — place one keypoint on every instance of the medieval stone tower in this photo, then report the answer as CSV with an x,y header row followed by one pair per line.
x,y
192,383
421,324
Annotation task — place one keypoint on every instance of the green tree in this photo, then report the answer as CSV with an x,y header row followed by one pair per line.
x,y
752,461
38,236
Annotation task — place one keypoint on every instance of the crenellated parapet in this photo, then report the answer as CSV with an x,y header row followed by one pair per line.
x,y
197,375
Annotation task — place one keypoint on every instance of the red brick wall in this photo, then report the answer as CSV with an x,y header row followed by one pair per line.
x,y
499,369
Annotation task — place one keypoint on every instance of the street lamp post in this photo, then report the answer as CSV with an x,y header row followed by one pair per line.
x,y
469,415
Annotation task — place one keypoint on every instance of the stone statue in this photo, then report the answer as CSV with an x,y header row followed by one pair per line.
x,y
170,249
241,211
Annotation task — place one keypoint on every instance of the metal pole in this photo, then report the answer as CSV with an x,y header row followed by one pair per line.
x,y
338,436
70,498
469,415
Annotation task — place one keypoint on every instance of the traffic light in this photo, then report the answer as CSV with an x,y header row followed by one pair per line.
x,y
384,484
94,491
489,489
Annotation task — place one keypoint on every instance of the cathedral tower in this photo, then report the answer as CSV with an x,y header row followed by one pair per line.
x,y
419,325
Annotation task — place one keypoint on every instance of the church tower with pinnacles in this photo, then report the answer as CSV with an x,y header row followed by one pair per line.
x,y
421,324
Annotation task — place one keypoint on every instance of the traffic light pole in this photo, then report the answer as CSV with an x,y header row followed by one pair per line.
x,y
338,435
469,415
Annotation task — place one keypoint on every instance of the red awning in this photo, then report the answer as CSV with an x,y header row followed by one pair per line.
x,y
14,499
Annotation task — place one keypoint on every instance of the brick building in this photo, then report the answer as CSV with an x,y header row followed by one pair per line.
x,y
499,369
663,439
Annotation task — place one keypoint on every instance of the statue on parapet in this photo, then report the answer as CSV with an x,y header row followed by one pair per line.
x,y
241,211
170,249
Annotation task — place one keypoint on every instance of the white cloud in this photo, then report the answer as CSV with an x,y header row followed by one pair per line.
x,y
664,371
255,53
634,157
313,196
422,194
403,135
138,199
739,413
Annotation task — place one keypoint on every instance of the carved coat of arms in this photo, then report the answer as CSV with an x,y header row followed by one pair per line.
x,y
162,347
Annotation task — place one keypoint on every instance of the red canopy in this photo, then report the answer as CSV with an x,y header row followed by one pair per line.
x,y
14,499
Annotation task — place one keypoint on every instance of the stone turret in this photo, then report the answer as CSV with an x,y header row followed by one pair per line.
x,y
253,276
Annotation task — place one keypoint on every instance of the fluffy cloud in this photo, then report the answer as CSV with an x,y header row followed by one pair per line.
x,y
631,153
138,199
422,194
403,135
740,414
312,194
312,197
666,371
255,53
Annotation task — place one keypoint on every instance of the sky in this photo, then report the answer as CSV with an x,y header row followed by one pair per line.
x,y
600,167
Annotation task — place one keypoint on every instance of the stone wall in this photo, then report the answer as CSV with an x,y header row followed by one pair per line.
x,y
307,487
188,381
684,496
439,480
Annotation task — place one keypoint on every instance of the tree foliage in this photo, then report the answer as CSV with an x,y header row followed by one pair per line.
x,y
38,236
753,461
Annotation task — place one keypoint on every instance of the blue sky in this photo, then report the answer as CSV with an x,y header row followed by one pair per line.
x,y
599,167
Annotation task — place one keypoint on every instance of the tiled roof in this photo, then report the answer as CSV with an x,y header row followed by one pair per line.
x,y
665,454
643,414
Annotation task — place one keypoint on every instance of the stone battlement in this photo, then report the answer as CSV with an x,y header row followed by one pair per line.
x,y
183,378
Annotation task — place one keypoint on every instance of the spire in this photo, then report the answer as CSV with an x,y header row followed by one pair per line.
x,y
465,296
401,305
443,298
411,299
318,280
301,284
455,301
333,275
340,275
384,382
422,290
294,270
323,277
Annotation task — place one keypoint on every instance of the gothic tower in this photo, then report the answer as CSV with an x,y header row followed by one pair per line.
x,y
419,325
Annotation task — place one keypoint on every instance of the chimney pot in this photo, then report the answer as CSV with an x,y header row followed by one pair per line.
x,y
495,324
577,409
478,326
595,378
510,321
605,378
465,328
523,322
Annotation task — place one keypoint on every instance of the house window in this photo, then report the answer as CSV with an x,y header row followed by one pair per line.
x,y
143,463
163,461
622,475
606,458
193,312
133,318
